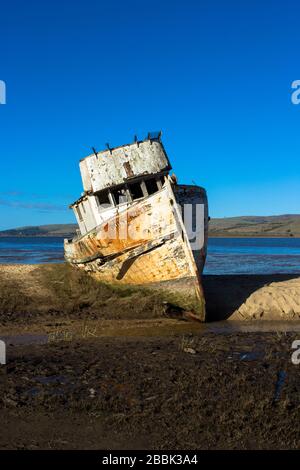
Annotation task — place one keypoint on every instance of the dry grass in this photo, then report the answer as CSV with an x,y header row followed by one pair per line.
x,y
74,293
13,302
59,292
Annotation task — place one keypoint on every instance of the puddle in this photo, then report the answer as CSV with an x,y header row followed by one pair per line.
x,y
24,339
281,376
55,385
115,330
52,379
255,326
247,356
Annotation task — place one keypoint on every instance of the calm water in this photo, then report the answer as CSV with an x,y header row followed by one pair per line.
x,y
31,250
253,256
225,255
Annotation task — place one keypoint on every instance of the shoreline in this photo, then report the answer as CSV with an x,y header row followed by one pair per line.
x,y
209,236
254,236
44,292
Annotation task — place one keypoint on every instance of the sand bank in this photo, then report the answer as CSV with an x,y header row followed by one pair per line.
x,y
253,297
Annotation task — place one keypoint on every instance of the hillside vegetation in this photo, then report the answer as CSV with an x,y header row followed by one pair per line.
x,y
251,226
245,226
54,230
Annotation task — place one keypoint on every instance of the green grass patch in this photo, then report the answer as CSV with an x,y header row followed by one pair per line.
x,y
75,293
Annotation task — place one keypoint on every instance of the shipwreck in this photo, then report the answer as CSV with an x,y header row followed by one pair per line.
x,y
138,226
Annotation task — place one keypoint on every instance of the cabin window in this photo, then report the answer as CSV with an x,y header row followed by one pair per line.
x,y
103,201
136,191
151,186
79,214
119,195
102,198
160,182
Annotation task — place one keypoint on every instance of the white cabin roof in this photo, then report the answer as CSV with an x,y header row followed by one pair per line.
x,y
116,166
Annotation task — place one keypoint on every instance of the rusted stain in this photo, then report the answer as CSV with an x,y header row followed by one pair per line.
x,y
128,169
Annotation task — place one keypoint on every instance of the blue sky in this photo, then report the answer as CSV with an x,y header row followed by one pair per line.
x,y
215,76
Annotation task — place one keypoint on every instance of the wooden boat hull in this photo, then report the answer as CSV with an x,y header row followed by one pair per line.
x,y
146,244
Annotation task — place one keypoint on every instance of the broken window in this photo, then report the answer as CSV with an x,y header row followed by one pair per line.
x,y
151,186
103,201
136,191
103,198
119,195
79,214
162,180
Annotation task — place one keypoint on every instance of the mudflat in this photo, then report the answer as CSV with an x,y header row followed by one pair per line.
x,y
94,367
209,391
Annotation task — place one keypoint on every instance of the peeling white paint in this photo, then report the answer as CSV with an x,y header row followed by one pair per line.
x,y
109,167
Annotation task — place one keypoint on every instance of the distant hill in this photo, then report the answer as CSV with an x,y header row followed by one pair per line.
x,y
251,226
54,230
245,226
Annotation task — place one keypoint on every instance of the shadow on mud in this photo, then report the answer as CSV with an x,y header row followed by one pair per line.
x,y
225,294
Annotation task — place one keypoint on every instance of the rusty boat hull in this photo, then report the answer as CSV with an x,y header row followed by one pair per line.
x,y
146,244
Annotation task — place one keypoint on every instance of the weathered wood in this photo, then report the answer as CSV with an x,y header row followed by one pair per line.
x,y
145,242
